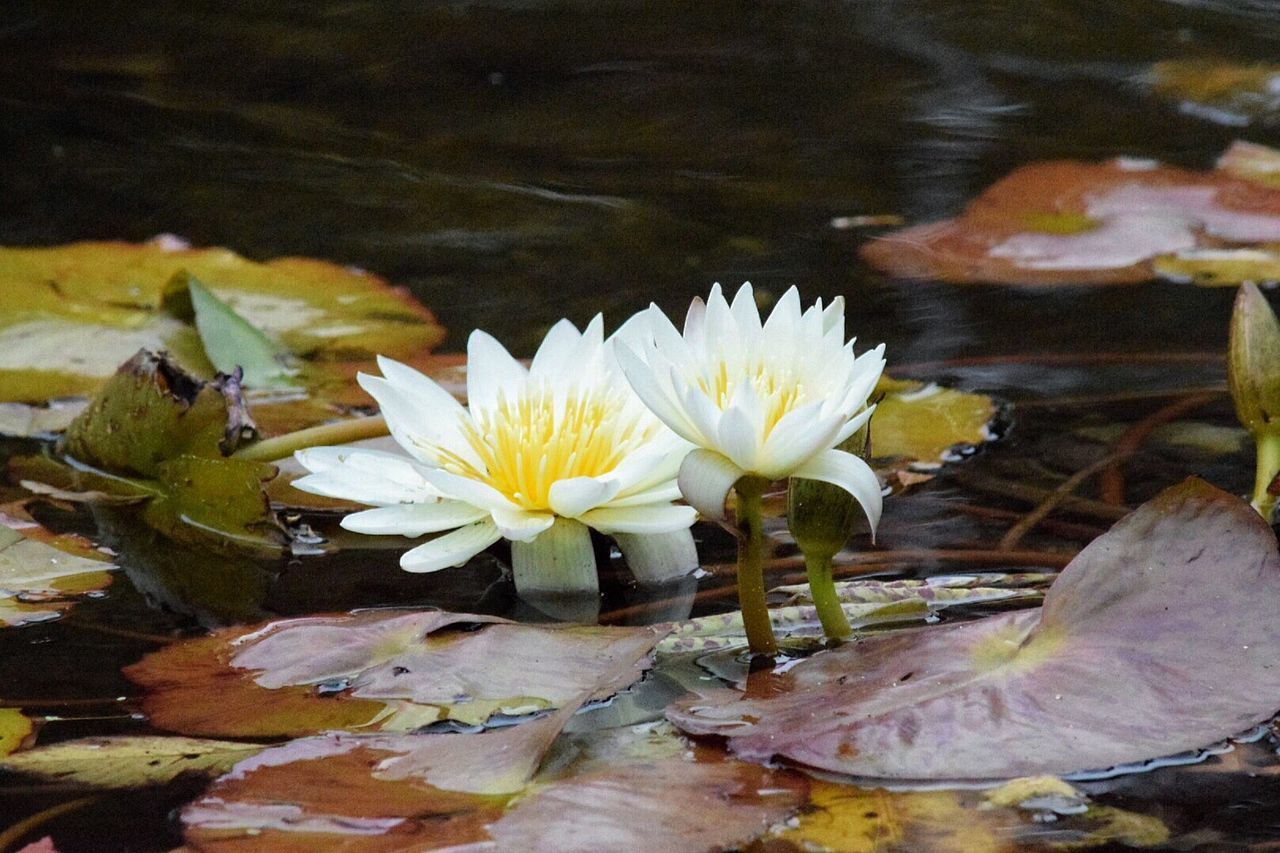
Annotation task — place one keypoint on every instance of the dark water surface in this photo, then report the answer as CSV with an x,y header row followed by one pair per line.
x,y
516,162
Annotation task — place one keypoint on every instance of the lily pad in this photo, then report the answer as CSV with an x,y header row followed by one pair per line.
x,y
156,434
1229,93
70,315
15,729
42,574
1071,222
382,670
128,762
366,793
923,425
1158,638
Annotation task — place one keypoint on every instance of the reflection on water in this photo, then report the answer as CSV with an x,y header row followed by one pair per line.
x,y
515,162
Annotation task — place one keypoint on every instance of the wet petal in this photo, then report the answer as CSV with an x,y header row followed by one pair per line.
x,y
451,549
416,519
521,525
571,498
641,519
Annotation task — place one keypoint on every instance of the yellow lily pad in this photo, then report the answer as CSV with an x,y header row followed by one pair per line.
x,y
14,730
926,425
1228,93
1221,267
43,574
128,762
70,315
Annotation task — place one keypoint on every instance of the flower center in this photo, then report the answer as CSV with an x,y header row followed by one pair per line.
x,y
530,442
778,387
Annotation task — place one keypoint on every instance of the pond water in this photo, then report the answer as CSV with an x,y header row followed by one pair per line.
x,y
517,162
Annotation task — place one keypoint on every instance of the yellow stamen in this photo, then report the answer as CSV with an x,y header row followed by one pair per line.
x,y
527,443
777,387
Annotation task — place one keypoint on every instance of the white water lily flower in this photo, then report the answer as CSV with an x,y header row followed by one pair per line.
x,y
538,456
769,399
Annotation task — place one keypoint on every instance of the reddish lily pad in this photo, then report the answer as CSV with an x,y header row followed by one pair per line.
x,y
1071,222
383,670
1158,638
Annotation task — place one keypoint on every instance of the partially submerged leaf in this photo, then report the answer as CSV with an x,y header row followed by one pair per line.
x,y
128,762
389,670
15,729
1223,92
1220,267
1159,637
159,434
70,315
1123,214
229,340
43,574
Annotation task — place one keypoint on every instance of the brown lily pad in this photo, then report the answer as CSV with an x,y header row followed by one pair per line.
x,y
1072,222
382,670
43,574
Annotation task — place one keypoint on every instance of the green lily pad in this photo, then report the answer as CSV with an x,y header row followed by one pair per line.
x,y
921,425
127,762
385,670
70,315
158,434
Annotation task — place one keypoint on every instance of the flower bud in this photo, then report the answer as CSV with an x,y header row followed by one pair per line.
x,y
822,516
1253,362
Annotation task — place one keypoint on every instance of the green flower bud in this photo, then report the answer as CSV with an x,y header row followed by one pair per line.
x,y
1253,362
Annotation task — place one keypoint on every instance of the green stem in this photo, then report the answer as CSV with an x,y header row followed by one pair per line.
x,y
826,600
342,432
1268,465
751,593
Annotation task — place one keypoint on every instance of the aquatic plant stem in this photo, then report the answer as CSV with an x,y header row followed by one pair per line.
x,y
343,432
10,837
751,593
1267,467
826,600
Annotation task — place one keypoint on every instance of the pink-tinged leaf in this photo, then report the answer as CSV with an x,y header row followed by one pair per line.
x,y
1159,637
1070,222
385,670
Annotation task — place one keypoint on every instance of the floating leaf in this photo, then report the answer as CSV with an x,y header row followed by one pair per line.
x,y
128,762
1156,639
1070,222
923,425
1220,267
14,730
43,574
156,433
230,341
70,315
382,670
1228,93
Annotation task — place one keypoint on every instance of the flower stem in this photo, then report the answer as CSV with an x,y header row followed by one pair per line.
x,y
1268,465
343,432
825,598
751,594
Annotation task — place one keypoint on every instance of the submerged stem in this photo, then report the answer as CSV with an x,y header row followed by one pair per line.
x,y
751,593
826,600
343,432
1268,466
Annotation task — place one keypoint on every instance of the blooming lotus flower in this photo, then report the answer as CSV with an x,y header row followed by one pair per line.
x,y
538,456
771,399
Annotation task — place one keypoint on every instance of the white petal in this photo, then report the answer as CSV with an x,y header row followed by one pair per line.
x,y
366,476
451,549
746,313
555,353
705,480
784,319
741,429
649,388
664,493
641,519
798,437
833,318
854,424
520,525
430,396
491,371
560,562
851,474
658,558
571,498
467,490
414,519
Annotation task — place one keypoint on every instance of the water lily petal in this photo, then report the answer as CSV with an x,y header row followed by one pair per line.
x,y
562,563
665,493
741,428
366,476
423,389
451,549
797,437
746,314
414,519
854,424
851,474
571,498
705,480
649,388
467,490
657,558
520,525
640,519
784,318
490,371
